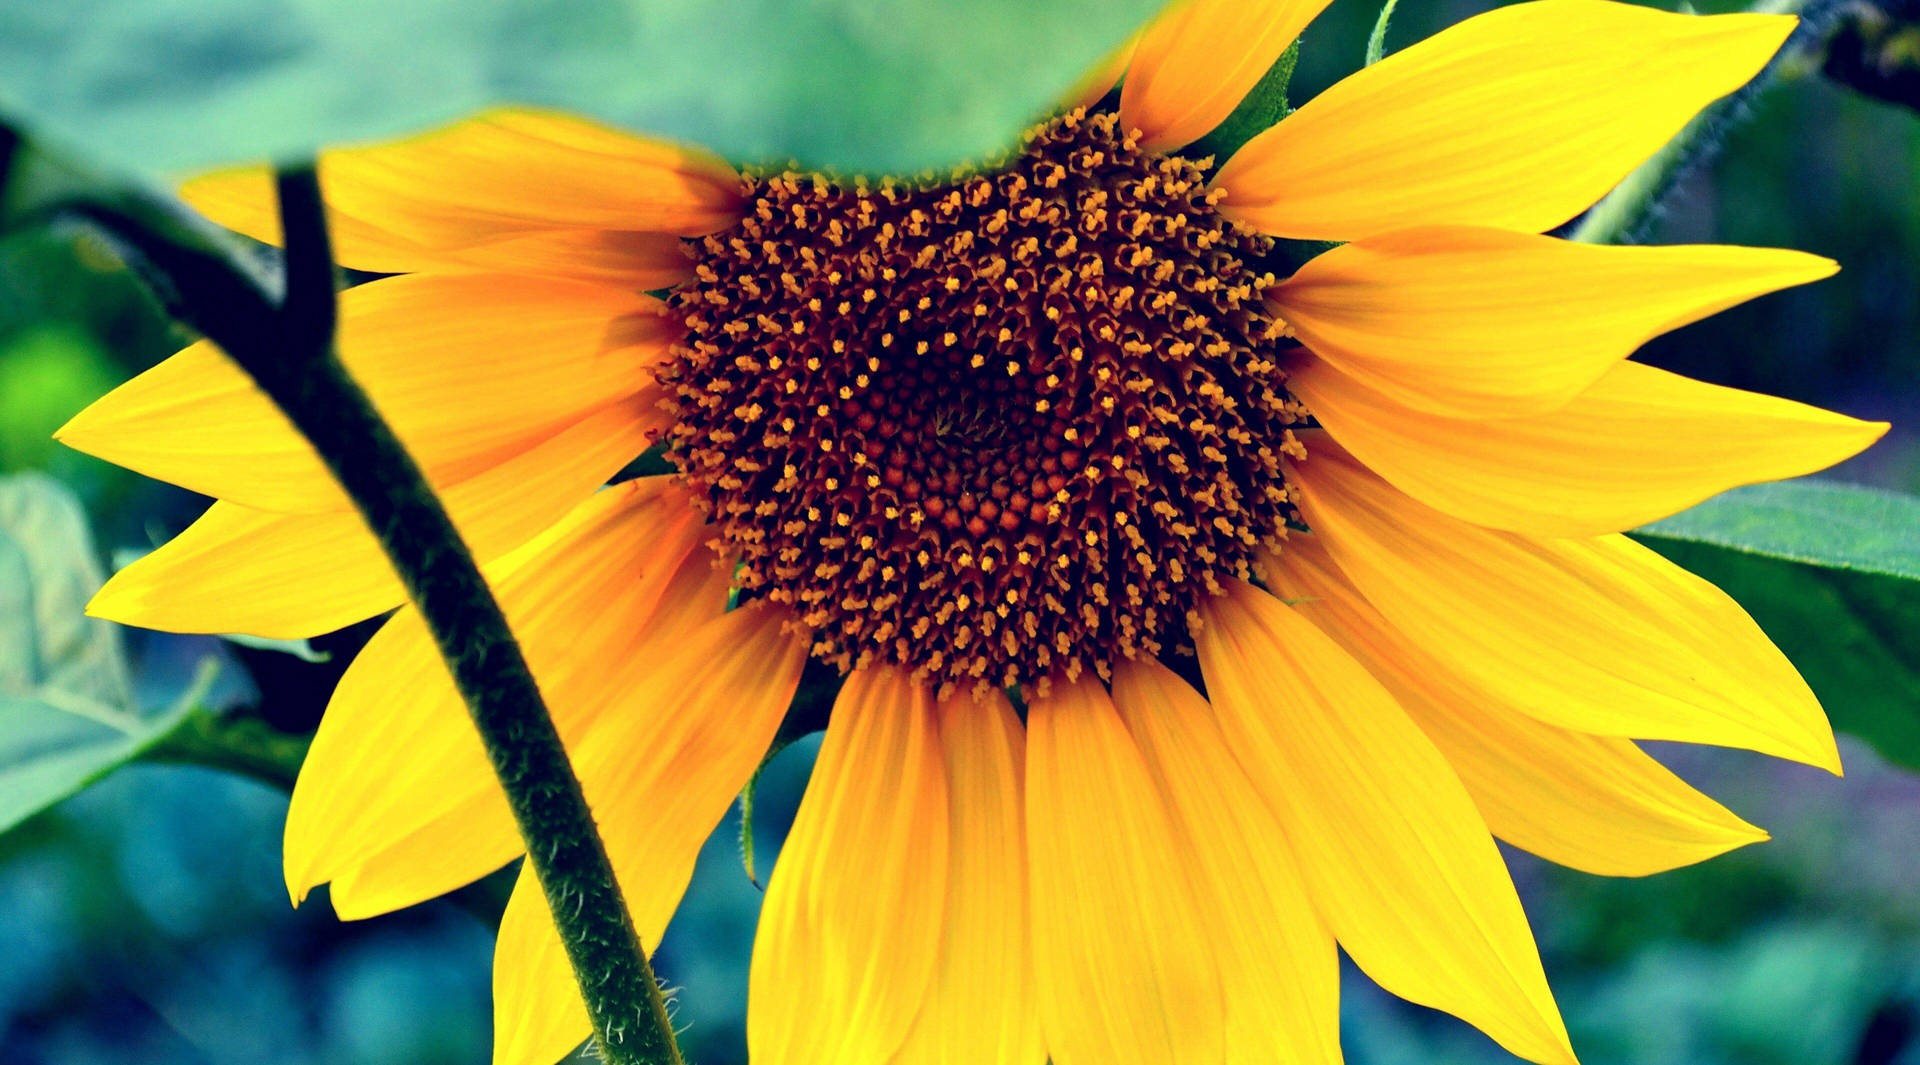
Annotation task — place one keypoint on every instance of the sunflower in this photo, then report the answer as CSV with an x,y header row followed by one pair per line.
x,y
1197,613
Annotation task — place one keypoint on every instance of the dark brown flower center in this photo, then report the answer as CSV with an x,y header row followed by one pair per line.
x,y
992,430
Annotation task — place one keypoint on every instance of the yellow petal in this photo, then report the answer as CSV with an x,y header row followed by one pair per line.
x,y
632,260
579,600
846,952
243,199
1125,972
1473,323
1599,635
478,835
1278,968
1596,803
538,1015
1636,446
1194,64
659,773
427,201
457,848
297,575
1397,859
980,1007
468,370
1520,118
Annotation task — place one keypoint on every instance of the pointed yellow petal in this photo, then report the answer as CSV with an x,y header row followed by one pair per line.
x,y
1598,635
1473,323
846,952
429,201
980,1007
554,351
1397,859
1125,972
477,836
1199,59
1520,118
659,772
579,599
457,848
298,575
1278,968
1596,803
1636,446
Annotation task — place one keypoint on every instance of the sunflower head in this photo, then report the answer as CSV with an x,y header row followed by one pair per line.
x,y
1017,423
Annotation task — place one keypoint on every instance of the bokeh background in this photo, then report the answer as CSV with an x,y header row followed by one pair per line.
x,y
145,921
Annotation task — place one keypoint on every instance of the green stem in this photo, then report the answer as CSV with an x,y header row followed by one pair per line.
x,y
283,338
243,745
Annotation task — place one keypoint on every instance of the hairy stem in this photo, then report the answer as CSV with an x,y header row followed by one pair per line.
x,y
280,330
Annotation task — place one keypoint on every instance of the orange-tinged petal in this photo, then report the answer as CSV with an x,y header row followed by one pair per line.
x,y
1596,803
426,201
514,171
242,199
1472,323
846,952
395,750
660,772
1639,444
1520,118
630,259
1599,635
297,575
1196,62
1278,968
468,370
1125,973
980,1007
1395,855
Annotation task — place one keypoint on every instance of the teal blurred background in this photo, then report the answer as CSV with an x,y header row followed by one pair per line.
x,y
145,921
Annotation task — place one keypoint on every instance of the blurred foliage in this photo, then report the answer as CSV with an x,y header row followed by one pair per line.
x,y
163,86
145,919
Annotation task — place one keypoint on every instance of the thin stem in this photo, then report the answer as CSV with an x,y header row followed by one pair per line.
x,y
303,375
278,327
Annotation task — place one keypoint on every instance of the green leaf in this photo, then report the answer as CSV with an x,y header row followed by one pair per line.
x,y
1821,523
166,86
1832,573
66,716
1258,111
54,744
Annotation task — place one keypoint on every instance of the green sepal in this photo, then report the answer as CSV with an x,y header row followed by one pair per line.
x,y
1257,112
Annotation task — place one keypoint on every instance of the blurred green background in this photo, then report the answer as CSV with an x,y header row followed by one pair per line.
x,y
145,921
